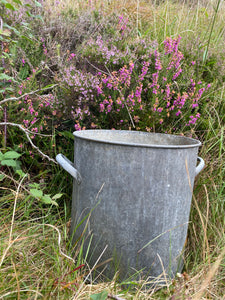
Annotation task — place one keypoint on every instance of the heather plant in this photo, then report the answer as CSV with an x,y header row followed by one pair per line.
x,y
156,92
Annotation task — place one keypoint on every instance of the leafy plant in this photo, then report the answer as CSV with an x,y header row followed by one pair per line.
x,y
9,159
37,193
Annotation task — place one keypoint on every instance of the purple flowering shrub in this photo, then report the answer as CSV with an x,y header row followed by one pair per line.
x,y
153,92
110,80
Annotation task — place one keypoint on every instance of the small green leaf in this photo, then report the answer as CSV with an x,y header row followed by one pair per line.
x,y
10,6
37,3
36,193
205,54
34,185
3,76
17,2
18,165
11,155
57,196
27,38
2,176
6,89
21,173
100,296
29,15
9,163
1,156
48,200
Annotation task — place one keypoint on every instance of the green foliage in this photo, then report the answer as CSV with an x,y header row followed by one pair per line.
x,y
44,198
9,159
100,296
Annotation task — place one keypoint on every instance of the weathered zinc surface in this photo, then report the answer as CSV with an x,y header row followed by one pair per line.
x,y
137,187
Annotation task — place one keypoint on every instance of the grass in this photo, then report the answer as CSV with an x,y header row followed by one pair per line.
x,y
36,260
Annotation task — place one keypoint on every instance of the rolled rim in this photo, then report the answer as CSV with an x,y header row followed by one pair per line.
x,y
137,138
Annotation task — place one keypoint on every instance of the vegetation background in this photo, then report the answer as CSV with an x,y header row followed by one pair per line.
x,y
70,65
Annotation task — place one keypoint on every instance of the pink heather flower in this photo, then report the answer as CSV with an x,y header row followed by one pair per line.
x,y
193,63
138,93
31,110
99,90
171,45
109,108
34,120
102,107
167,90
177,74
118,101
158,65
194,119
77,126
109,85
131,64
26,122
144,70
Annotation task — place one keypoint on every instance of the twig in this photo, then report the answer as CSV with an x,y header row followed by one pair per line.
x,y
27,94
14,208
27,132
98,68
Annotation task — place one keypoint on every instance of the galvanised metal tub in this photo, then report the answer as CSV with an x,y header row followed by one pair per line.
x,y
138,188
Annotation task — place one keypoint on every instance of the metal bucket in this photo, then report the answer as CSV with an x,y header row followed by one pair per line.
x,y
138,188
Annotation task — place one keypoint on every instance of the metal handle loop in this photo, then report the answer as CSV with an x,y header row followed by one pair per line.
x,y
69,167
200,166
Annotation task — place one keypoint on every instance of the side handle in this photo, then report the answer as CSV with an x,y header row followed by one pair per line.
x,y
69,167
200,166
